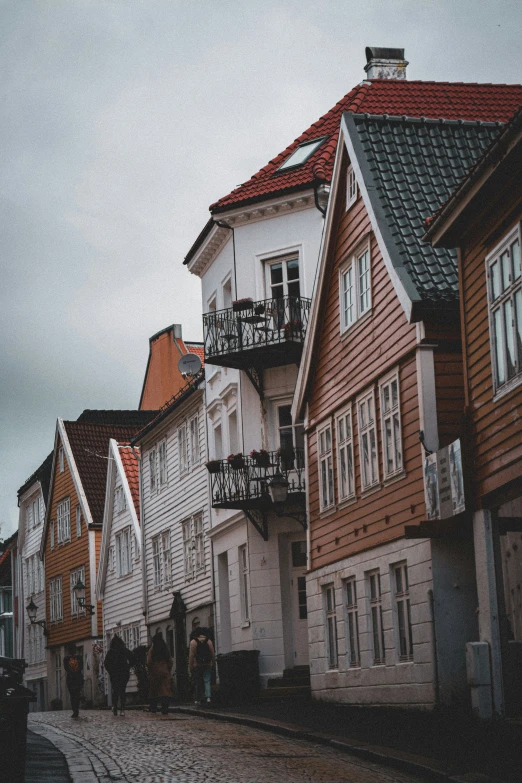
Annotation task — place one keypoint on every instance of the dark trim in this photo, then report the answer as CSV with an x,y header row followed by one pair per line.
x,y
199,241
280,170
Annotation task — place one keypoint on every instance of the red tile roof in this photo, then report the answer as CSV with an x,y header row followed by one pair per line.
x,y
90,448
130,466
198,349
435,100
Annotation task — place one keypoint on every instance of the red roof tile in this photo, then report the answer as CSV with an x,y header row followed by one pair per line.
x,y
434,100
198,349
130,466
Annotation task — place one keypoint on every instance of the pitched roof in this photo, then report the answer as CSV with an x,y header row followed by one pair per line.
x,y
90,446
119,418
186,391
435,100
41,474
409,166
198,349
130,466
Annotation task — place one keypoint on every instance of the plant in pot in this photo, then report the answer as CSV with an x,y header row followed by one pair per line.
x,y
213,466
236,461
242,304
261,458
286,456
259,309
293,327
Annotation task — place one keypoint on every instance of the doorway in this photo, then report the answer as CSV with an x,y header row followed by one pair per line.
x,y
299,612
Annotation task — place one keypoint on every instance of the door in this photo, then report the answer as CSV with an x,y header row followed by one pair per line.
x,y
283,287
298,603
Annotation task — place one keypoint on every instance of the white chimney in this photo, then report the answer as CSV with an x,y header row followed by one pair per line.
x,y
385,63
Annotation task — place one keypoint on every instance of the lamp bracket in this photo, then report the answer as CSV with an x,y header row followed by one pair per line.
x,y
255,376
259,520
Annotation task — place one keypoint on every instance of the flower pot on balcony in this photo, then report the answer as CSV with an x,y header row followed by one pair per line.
x,y
236,461
286,456
261,458
293,328
259,309
242,304
214,466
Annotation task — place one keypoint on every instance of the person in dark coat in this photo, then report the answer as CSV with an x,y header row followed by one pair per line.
x,y
159,664
73,665
201,660
118,662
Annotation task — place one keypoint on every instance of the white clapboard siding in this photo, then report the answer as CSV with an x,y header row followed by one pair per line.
x,y
166,509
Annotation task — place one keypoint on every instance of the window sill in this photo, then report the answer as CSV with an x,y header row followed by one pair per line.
x,y
392,479
508,387
371,490
333,671
327,512
346,502
359,322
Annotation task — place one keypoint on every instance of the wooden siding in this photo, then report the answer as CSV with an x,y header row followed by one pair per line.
x,y
65,558
449,387
183,496
495,426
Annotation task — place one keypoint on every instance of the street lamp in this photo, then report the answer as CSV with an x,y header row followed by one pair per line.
x,y
278,489
32,610
79,591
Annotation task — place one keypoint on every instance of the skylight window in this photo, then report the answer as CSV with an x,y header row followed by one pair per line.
x,y
301,154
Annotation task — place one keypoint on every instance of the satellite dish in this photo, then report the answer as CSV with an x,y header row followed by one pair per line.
x,y
189,364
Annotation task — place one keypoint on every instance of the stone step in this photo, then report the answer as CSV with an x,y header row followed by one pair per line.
x,y
277,692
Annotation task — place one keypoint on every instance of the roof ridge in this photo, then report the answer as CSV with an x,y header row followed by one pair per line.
x,y
426,120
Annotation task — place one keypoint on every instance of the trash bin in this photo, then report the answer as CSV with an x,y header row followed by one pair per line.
x,y
238,673
14,707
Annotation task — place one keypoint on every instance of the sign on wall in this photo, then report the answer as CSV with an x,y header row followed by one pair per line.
x,y
444,482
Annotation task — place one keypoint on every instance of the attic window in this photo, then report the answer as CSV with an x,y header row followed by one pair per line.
x,y
301,154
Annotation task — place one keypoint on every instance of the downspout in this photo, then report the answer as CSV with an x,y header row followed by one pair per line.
x,y
434,648
224,224
143,558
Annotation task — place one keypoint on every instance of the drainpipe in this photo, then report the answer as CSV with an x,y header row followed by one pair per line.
x,y
223,224
434,648
321,193
143,558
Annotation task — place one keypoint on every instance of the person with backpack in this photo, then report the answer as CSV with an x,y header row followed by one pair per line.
x,y
118,662
73,665
201,660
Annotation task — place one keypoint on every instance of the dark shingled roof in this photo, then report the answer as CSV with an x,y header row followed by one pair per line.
x,y
409,166
120,418
90,448
41,474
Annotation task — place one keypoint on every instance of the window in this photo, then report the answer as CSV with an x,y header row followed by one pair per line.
x,y
227,293
34,576
51,533
162,463
351,187
505,311
55,599
352,623
355,289
120,503
218,442
325,467
162,559
78,522
331,627
32,515
290,435
368,440
193,545
243,584
112,559
153,479
123,552
402,612
345,456
61,460
76,609
64,521
183,449
193,441
233,443
391,426
301,154
130,635
377,635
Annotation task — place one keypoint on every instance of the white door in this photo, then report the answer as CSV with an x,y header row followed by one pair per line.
x,y
299,609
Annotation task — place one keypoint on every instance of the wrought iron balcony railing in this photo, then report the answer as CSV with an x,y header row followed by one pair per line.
x,y
242,482
268,333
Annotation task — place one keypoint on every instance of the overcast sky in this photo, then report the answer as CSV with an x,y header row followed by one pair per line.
x,y
122,121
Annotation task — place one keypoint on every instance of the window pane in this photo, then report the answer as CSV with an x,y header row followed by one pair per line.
x,y
397,441
341,430
506,271
365,460
386,399
499,349
292,269
518,310
374,455
285,415
495,280
515,255
350,468
294,290
510,338
276,274
344,489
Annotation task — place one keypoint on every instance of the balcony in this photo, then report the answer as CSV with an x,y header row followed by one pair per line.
x,y
263,334
242,483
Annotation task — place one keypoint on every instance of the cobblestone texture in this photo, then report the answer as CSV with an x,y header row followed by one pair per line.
x,y
145,748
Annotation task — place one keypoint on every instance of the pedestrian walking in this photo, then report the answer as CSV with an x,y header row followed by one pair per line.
x,y
201,660
118,662
159,664
73,665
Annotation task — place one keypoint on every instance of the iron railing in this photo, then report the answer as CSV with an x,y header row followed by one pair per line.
x,y
243,482
267,323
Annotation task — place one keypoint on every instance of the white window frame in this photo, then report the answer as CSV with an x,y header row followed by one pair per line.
x,y
123,548
153,470
56,599
330,628
355,299
351,609
244,583
391,416
325,467
163,476
511,296
193,535
183,449
51,533
162,559
76,609
120,501
351,187
78,521
193,440
401,611
345,454
376,629
61,459
367,432
63,519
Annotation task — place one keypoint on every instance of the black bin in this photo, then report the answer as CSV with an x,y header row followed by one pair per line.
x,y
14,707
238,673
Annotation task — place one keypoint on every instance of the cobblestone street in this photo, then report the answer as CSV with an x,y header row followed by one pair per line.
x,y
145,748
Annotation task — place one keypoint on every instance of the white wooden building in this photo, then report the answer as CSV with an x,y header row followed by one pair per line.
x,y
29,579
177,574
119,581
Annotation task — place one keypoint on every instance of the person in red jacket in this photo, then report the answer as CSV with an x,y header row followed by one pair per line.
x,y
73,665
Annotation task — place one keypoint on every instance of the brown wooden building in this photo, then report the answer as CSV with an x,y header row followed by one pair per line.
x,y
71,540
482,219
391,596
